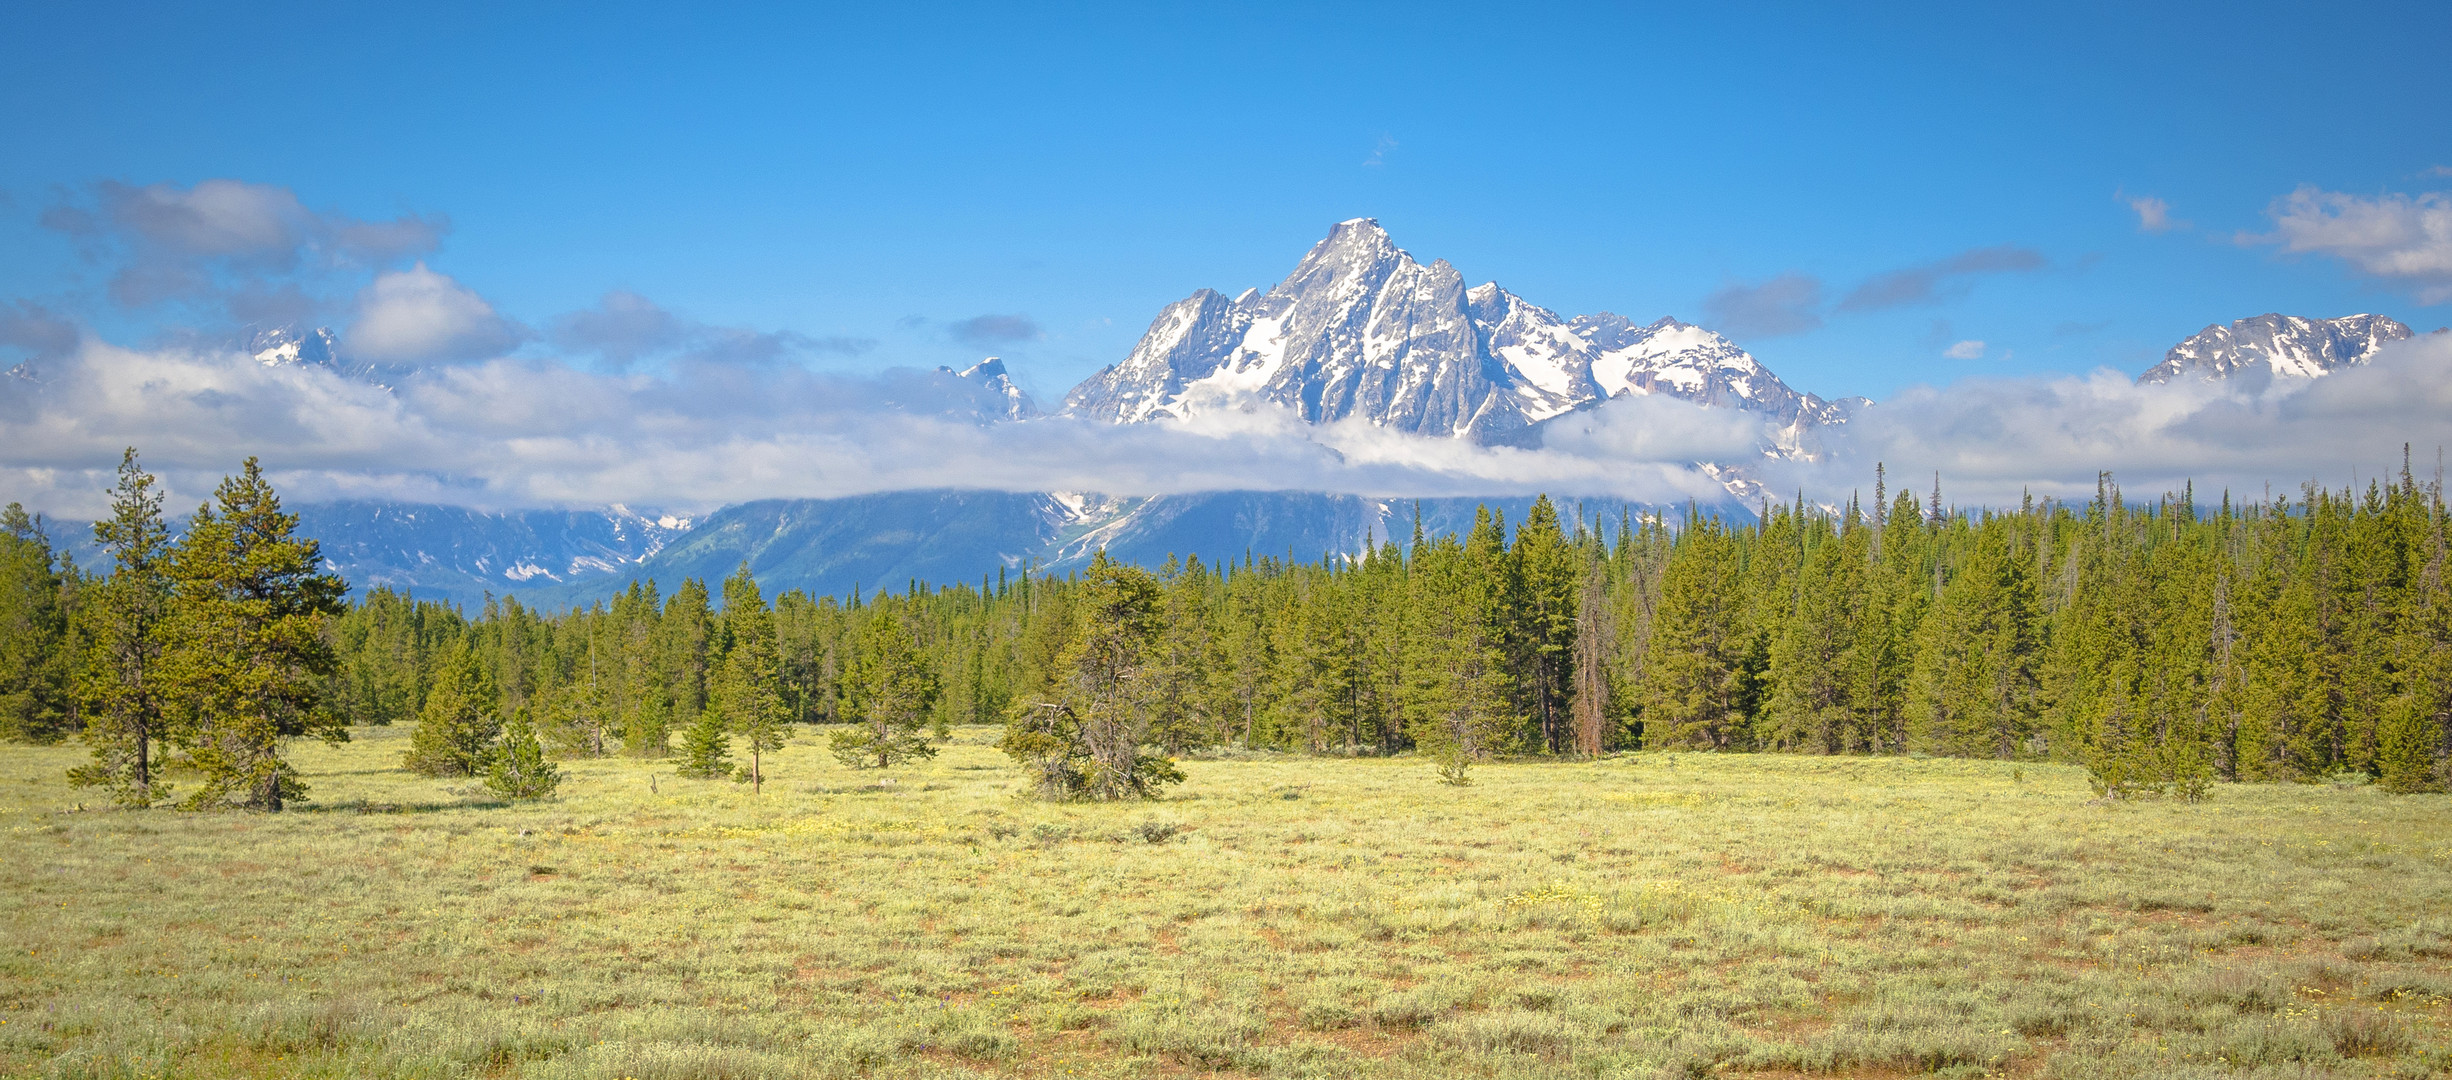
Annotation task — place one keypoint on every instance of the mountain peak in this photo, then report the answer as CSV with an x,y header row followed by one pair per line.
x,y
1357,236
1361,331
983,391
2274,344
283,346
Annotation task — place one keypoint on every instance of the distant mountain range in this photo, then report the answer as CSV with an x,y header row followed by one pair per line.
x,y
1359,332
890,540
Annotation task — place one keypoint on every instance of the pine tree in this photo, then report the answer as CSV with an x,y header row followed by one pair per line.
x,y
122,632
1543,618
35,703
383,644
1456,700
1974,683
752,682
636,675
887,695
2414,745
461,719
706,747
245,658
1179,669
1086,743
683,671
1240,684
1593,647
1812,700
520,770
1690,684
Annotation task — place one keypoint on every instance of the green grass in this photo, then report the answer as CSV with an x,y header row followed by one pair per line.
x,y
1640,916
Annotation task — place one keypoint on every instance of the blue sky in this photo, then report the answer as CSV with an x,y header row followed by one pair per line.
x,y
881,173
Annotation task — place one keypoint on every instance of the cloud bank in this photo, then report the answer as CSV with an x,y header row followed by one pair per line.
x,y
1994,439
699,433
510,432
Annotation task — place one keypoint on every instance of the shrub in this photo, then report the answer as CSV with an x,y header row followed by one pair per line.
x,y
520,770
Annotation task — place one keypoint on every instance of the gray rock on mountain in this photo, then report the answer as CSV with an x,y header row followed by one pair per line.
x,y
1360,330
2266,346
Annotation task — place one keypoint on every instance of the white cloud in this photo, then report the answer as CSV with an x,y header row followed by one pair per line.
x,y
2153,214
2400,239
1965,350
506,433
1993,438
418,316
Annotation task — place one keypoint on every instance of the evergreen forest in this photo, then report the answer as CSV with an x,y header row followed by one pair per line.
x,y
2165,645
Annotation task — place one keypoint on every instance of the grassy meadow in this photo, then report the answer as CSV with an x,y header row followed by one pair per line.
x,y
1643,915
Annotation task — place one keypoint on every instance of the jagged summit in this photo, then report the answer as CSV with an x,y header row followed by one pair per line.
x,y
1362,330
283,346
299,346
987,391
2273,345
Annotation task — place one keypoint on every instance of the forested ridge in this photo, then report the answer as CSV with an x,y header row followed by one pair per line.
x,y
2164,645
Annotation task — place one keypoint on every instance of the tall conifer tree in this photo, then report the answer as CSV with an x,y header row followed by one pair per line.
x,y
119,688
246,660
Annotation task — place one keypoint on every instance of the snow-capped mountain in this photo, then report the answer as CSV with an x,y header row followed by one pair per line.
x,y
2277,345
449,552
1361,330
885,542
294,346
284,346
993,391
460,555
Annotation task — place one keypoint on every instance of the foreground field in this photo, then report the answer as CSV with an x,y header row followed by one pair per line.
x,y
1644,915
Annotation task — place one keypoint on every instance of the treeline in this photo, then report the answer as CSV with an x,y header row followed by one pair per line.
x,y
2164,645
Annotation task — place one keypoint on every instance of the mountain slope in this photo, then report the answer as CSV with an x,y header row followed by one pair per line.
x,y
451,553
2265,346
830,547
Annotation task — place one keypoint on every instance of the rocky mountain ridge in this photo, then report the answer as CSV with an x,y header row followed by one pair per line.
x,y
1362,331
2277,346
